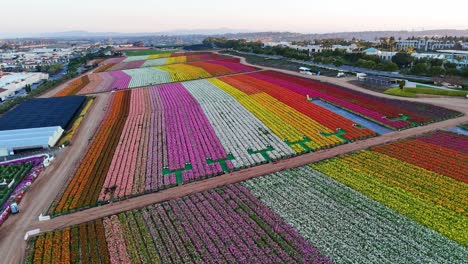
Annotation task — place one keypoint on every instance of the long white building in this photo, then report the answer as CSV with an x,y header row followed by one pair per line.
x,y
426,45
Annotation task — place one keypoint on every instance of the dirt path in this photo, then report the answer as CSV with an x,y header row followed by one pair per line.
x,y
44,189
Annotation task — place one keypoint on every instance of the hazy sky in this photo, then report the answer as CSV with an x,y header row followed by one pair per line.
x,y
33,16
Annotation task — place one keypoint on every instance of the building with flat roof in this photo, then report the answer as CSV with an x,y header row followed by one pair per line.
x,y
30,138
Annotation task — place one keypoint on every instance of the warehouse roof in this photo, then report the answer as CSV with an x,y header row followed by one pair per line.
x,y
30,138
43,112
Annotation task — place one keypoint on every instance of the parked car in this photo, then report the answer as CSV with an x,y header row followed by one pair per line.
x,y
14,208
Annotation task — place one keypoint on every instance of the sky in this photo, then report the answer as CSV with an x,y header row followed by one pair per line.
x,y
305,16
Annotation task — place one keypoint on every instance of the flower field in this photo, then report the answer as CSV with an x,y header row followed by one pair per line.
x,y
349,227
224,225
322,213
147,76
81,189
175,58
74,87
177,133
392,113
414,178
15,178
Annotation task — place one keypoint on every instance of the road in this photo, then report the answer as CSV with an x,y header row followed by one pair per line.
x,y
348,68
52,180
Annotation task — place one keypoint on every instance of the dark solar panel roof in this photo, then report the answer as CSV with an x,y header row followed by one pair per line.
x,y
42,112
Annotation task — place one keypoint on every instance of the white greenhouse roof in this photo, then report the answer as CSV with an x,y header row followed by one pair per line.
x,y
30,138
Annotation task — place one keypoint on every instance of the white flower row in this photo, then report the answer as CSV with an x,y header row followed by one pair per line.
x,y
237,128
147,76
136,58
155,62
348,226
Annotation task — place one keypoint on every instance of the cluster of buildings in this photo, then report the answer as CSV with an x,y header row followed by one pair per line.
x,y
434,50
428,44
458,57
12,83
16,60
311,48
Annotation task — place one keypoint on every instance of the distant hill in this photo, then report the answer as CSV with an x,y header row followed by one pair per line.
x,y
239,33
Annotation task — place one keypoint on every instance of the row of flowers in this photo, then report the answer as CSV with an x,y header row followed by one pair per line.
x,y
381,110
432,199
85,185
223,225
85,243
436,158
447,140
347,226
26,171
281,93
172,71
74,86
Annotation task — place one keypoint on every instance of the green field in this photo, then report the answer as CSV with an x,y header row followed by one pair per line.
x,y
9,173
148,52
413,92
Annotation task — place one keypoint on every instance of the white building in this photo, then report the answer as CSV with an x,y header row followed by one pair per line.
x,y
459,57
426,45
10,83
384,55
311,48
31,138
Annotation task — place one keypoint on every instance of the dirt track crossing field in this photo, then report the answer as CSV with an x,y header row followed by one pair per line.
x,y
51,181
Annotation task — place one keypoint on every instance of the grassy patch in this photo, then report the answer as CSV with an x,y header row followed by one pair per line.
x,y
147,52
399,92
412,92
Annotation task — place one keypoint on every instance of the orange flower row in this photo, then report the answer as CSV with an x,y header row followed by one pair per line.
x,y
85,186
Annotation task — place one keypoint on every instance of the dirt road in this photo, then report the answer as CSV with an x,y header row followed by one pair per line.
x,y
47,185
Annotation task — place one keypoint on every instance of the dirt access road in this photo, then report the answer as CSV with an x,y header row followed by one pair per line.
x,y
12,245
47,185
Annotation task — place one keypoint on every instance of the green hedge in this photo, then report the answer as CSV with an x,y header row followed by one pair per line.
x,y
412,92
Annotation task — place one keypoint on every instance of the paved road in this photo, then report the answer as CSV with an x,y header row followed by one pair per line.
x,y
347,68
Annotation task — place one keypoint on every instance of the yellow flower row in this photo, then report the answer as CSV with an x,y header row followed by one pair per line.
x,y
173,60
76,124
184,72
431,199
159,56
282,124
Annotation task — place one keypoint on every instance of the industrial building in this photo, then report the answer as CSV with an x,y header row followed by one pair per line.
x,y
12,141
37,123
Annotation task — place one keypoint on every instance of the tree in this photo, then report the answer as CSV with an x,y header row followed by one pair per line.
x,y
436,70
28,88
390,66
402,59
419,68
401,84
